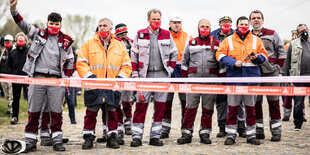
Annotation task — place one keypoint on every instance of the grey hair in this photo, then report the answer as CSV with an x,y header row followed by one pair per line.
x,y
205,20
110,21
153,11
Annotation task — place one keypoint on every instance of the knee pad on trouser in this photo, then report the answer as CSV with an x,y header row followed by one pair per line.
x,y
189,118
127,108
231,122
274,109
45,120
206,118
120,115
33,122
90,120
112,120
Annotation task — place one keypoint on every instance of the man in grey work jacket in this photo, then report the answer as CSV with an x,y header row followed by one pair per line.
x,y
153,55
50,56
271,67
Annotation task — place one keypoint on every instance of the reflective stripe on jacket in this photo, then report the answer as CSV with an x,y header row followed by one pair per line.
x,y
141,48
93,59
233,49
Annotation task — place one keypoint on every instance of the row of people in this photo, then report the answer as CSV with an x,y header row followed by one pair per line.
x,y
153,54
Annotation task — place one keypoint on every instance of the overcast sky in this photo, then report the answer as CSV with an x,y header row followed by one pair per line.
x,y
280,15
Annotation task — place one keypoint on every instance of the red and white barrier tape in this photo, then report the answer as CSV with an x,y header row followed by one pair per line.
x,y
161,85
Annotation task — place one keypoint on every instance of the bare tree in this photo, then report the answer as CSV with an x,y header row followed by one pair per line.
x,y
79,27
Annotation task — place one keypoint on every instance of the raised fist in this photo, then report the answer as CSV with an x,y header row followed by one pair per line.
x,y
13,4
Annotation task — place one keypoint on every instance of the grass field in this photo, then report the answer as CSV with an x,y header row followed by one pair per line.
x,y
23,108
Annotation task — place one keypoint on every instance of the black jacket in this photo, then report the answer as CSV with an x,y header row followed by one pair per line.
x,y
4,68
17,59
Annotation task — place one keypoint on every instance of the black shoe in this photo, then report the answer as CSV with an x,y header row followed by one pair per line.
x,y
14,120
136,142
73,122
242,134
30,148
260,135
59,147
186,138
65,140
221,134
276,138
205,138
156,142
285,119
111,142
164,135
128,131
253,141
88,143
229,141
46,141
103,139
305,120
120,140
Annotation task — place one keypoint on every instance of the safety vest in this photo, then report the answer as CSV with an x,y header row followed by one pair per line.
x,y
296,57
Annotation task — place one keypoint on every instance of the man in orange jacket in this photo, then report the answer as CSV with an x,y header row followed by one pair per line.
x,y
180,39
241,52
102,57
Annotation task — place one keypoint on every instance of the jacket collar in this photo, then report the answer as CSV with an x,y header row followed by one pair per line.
x,y
176,35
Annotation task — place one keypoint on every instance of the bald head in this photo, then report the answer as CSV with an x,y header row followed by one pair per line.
x,y
204,23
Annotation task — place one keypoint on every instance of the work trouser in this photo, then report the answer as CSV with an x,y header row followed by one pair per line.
x,y
160,99
234,102
126,103
8,94
37,96
168,111
90,118
287,107
274,110
192,102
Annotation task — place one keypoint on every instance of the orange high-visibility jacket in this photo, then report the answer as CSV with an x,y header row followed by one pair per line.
x,y
180,39
94,59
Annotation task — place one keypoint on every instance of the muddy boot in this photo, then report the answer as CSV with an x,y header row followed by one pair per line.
x,y
186,138
46,141
253,141
229,141
205,138
59,147
156,142
104,137
164,135
127,126
136,142
120,138
88,143
221,134
111,142
31,147
128,131
276,138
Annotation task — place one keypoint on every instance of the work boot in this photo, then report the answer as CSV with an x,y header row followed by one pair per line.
x,y
104,137
46,141
242,134
229,141
128,131
276,138
253,141
186,138
205,138
88,143
65,140
111,142
221,134
31,147
241,129
285,119
59,147
164,135
120,139
14,120
136,142
156,142
260,135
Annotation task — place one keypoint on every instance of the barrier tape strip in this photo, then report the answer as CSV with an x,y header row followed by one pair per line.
x,y
142,85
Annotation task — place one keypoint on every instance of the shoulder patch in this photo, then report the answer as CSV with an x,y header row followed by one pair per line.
x,y
141,35
193,42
